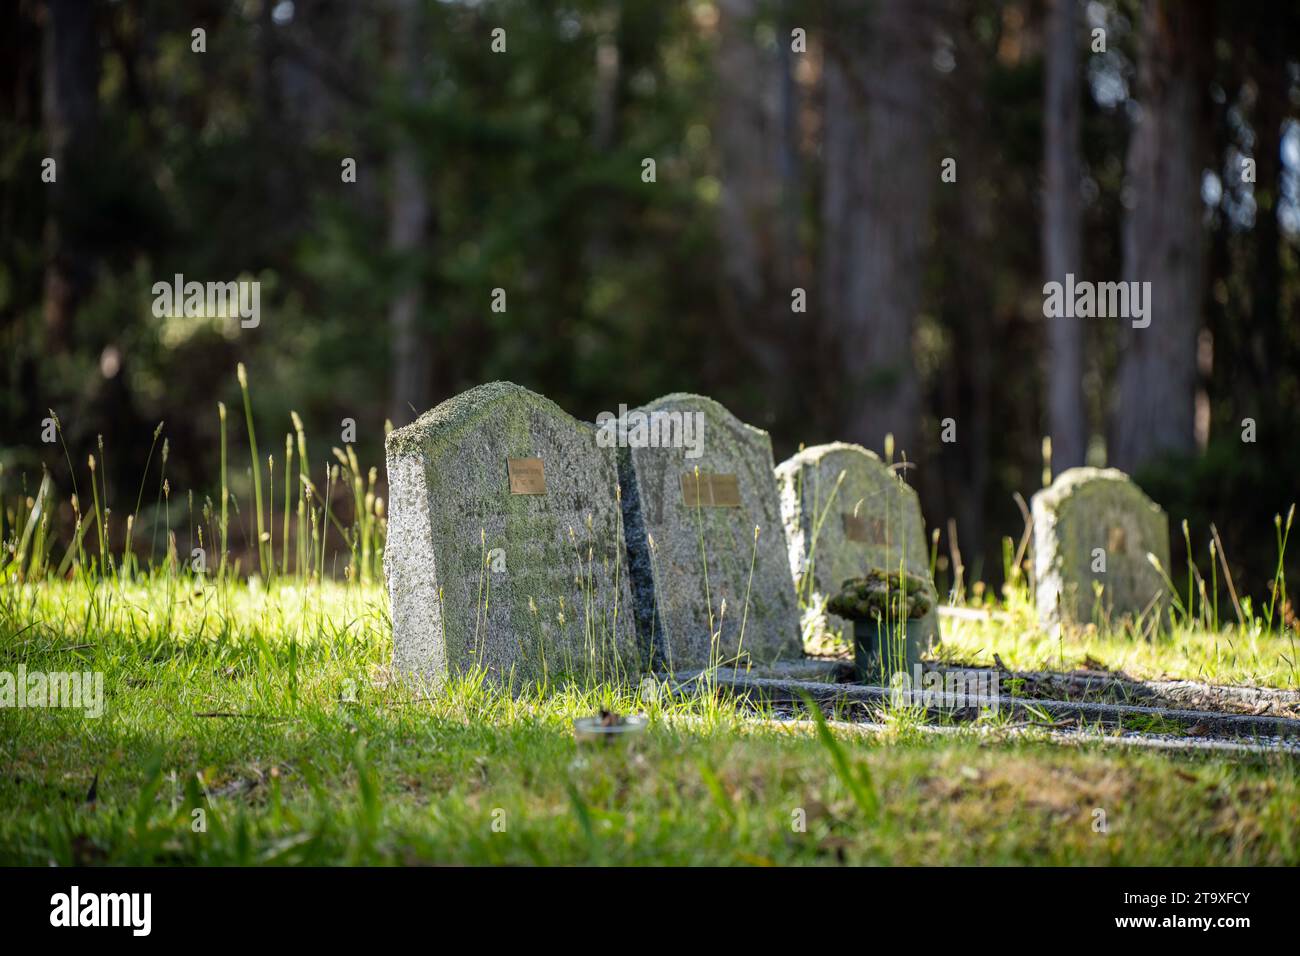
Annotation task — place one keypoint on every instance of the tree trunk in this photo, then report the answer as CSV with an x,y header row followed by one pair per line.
x,y
758,249
1163,241
408,215
1062,233
878,177
71,111
966,389
1266,340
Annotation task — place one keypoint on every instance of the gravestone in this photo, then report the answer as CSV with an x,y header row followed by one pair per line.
x,y
690,513
1094,527
505,545
842,527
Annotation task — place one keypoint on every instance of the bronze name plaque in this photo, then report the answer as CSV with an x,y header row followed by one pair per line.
x,y
863,530
526,476
709,490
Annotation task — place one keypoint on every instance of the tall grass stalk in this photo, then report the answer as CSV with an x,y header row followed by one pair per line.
x,y
288,497
1173,589
618,564
1279,574
225,495
162,473
331,475
103,481
304,481
128,552
312,516
256,469
74,552
101,525
30,526
1214,584
820,512
34,532
704,558
744,615
270,517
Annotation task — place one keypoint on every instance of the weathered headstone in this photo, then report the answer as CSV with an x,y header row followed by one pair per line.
x,y
690,513
505,545
847,513
1095,527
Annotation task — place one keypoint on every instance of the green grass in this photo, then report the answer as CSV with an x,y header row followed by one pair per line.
x,y
328,761
1249,654
256,721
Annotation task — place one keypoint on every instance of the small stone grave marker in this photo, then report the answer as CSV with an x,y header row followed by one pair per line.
x,y
842,527
1095,527
690,510
505,545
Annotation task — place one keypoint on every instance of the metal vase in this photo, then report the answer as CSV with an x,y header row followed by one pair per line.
x,y
877,655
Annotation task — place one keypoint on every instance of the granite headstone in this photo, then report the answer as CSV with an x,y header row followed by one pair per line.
x,y
505,547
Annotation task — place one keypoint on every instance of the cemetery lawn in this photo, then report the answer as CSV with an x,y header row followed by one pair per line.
x,y
241,726
1248,653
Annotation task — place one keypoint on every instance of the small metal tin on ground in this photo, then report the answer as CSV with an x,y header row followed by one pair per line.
x,y
608,730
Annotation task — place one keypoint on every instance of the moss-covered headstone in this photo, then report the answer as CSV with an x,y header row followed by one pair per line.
x,y
1093,530
505,542
846,514
690,512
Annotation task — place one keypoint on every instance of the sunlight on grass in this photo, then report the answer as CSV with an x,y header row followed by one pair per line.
x,y
257,720
269,718
1243,654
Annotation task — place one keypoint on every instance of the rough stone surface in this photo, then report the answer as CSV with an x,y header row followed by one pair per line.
x,y
840,528
679,606
520,584
1085,515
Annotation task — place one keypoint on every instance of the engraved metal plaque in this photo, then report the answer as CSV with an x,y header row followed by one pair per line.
x,y
526,476
864,530
726,491
855,528
696,489
708,490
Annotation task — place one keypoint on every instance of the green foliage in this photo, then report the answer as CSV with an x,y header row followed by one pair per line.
x,y
200,715
226,165
855,775
888,595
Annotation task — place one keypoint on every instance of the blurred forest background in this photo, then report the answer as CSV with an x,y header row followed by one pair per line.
x,y
798,145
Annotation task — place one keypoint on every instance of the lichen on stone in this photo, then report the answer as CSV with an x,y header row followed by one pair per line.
x,y
702,556
1093,530
560,603
884,594
825,486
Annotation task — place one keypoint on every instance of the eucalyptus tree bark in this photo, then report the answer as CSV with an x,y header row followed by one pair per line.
x,y
959,476
1163,238
878,178
1062,232
408,219
759,184
70,108
1271,108
608,79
